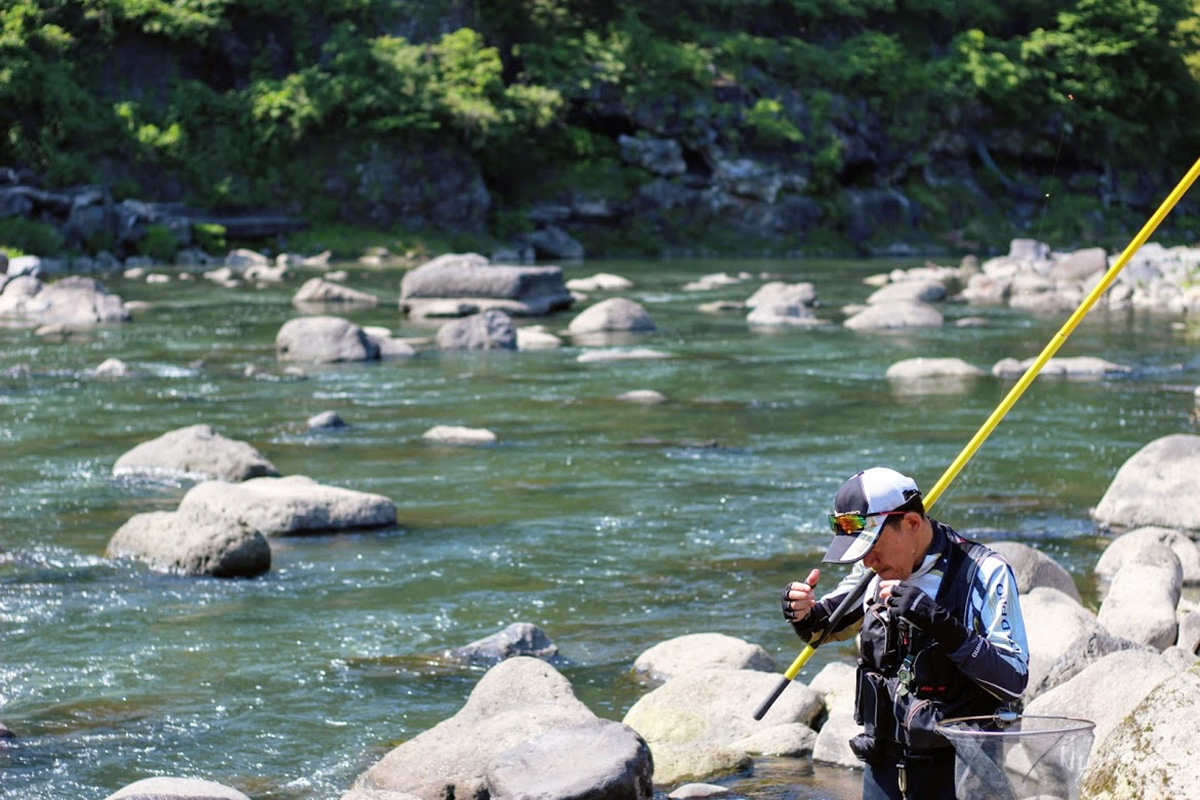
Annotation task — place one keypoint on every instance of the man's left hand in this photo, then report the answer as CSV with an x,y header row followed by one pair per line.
x,y
910,603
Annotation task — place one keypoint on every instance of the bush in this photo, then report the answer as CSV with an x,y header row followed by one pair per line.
x,y
159,244
210,237
29,236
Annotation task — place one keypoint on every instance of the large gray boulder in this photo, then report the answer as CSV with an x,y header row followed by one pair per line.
x,y
1054,623
176,789
1142,597
291,506
682,654
324,340
1083,652
696,723
1033,568
1124,547
521,720
1148,487
1106,691
1152,751
196,451
74,301
596,760
192,543
836,683
471,280
489,330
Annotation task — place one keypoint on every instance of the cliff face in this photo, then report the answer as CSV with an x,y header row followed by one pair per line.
x,y
567,127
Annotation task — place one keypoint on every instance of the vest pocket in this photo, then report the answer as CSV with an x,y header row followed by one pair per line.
x,y
920,722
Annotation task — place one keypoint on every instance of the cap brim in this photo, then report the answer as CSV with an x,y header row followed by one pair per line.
x,y
846,549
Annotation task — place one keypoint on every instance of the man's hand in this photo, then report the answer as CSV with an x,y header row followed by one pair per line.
x,y
909,603
798,597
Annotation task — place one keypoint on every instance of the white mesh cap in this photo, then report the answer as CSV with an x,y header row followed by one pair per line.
x,y
872,491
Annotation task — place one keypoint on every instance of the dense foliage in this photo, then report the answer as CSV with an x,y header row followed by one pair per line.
x,y
236,102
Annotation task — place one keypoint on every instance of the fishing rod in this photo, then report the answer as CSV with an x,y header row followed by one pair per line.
x,y
994,419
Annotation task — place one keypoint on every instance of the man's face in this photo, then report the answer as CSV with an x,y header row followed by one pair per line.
x,y
895,550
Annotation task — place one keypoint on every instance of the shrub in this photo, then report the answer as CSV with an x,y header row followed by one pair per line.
x,y
29,236
210,237
159,243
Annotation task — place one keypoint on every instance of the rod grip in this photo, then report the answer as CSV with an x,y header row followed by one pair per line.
x,y
766,704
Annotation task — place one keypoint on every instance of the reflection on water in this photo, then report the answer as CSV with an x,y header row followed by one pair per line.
x,y
611,525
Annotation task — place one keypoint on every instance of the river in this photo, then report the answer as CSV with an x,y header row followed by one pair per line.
x,y
612,526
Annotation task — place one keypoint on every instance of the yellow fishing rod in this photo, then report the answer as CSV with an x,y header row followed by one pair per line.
x,y
992,421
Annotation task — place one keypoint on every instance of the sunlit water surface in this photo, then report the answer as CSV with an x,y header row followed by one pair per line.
x,y
612,526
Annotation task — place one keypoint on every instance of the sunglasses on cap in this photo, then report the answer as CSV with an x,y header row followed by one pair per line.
x,y
852,523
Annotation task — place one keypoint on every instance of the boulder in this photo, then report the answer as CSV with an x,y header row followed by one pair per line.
x,y
176,789
607,354
455,434
1054,623
779,293
1105,691
291,506
536,338
1189,632
780,316
1081,367
324,340
518,639
643,396
683,654
1084,651
74,301
1152,752
1141,600
489,330
909,291
596,760
616,314
472,279
1147,487
1033,568
1124,547
707,711
895,315
512,706
320,292
326,420
923,368
600,282
837,683
195,452
192,543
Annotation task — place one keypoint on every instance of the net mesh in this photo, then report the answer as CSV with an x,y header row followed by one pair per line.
x,y
1018,757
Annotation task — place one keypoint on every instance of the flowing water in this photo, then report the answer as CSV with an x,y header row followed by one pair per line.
x,y
612,526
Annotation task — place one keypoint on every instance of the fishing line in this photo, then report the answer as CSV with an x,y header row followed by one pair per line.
x,y
996,416
1062,135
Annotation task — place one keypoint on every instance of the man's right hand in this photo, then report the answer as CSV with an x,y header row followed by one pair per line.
x,y
798,597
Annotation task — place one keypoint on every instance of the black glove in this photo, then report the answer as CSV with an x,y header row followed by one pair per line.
x,y
788,612
909,603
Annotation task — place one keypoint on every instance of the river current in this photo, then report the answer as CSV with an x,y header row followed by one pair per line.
x,y
612,526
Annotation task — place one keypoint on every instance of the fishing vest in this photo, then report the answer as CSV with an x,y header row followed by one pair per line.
x,y
906,684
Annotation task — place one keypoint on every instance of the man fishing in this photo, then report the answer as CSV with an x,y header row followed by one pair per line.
x,y
940,631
